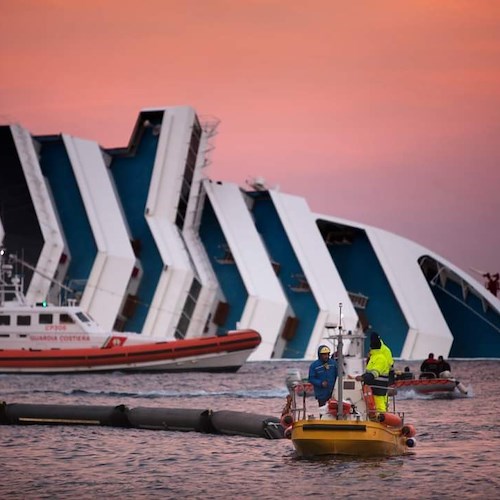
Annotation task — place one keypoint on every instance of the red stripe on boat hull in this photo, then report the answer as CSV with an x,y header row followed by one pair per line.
x,y
133,355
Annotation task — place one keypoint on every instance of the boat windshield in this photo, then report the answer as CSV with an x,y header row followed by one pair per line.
x,y
82,317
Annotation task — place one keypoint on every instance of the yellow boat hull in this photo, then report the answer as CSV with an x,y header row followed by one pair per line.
x,y
347,437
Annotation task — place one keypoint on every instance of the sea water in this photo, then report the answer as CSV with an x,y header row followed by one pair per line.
x,y
457,453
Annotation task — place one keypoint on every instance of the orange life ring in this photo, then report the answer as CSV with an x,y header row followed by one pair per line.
x,y
333,406
390,419
369,400
408,430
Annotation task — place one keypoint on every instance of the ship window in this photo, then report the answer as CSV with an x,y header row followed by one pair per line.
x,y
45,319
24,320
188,309
82,317
182,327
65,318
4,320
227,257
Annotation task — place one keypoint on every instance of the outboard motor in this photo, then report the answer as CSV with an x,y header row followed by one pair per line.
x,y
293,377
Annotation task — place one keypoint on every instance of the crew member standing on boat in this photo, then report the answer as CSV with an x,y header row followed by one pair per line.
x,y
377,372
323,374
375,338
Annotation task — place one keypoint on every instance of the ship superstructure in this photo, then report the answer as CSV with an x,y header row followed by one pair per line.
x,y
145,241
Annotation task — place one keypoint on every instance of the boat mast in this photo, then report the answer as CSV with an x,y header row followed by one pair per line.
x,y
338,344
9,285
340,368
35,270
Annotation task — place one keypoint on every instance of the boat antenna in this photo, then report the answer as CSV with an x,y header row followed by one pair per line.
x,y
17,260
340,367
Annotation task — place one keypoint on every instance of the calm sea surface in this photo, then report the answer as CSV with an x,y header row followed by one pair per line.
x,y
457,453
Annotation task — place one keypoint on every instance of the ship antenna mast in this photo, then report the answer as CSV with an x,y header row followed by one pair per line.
x,y
35,270
340,366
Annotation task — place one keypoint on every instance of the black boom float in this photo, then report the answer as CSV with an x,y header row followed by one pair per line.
x,y
45,414
169,419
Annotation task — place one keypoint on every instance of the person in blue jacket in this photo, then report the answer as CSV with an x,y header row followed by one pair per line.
x,y
323,374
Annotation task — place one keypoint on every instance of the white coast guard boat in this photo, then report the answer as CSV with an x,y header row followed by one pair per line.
x,y
45,338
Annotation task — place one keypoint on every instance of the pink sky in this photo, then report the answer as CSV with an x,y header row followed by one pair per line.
x,y
385,112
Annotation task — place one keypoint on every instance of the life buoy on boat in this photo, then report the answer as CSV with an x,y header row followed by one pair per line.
x,y
408,430
333,407
288,432
369,400
390,419
286,420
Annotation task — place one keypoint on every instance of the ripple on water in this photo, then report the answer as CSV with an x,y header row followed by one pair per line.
x,y
457,451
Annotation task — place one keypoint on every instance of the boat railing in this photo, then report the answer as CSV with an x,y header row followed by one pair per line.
x,y
299,405
300,411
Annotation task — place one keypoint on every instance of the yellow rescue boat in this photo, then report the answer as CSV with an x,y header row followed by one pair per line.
x,y
353,428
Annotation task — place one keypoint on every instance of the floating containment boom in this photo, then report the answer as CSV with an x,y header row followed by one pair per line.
x,y
169,419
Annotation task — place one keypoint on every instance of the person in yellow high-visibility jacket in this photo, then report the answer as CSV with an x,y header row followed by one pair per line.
x,y
388,354
385,351
377,371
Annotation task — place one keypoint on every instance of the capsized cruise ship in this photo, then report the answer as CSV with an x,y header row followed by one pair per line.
x,y
146,242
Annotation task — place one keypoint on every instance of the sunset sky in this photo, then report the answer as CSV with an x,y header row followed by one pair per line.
x,y
385,112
